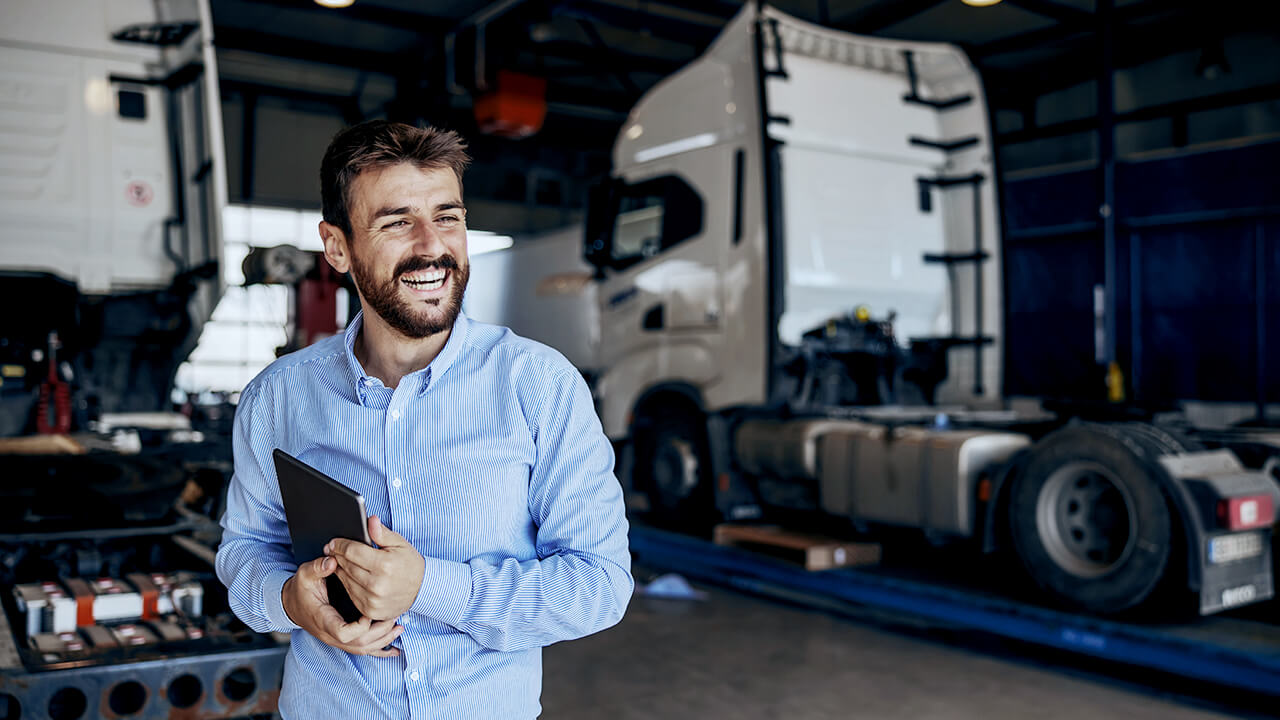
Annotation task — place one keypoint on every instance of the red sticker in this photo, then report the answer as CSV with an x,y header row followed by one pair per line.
x,y
139,193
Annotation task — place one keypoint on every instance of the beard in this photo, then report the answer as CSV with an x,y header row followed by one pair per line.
x,y
385,299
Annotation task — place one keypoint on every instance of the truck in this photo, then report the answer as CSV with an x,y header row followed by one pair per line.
x,y
112,186
797,256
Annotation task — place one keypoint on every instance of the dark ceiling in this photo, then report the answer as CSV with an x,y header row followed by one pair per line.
x,y
599,56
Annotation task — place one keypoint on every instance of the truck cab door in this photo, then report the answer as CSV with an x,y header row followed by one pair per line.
x,y
652,279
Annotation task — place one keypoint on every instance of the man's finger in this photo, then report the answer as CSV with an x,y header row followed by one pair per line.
x,y
352,554
348,633
383,536
324,566
386,638
362,576
315,568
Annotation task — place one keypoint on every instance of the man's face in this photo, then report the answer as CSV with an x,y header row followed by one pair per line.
x,y
408,247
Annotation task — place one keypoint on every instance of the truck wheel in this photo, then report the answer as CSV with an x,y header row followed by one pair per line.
x,y
1088,519
673,470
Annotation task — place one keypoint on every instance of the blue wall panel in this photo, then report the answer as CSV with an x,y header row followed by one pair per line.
x,y
1187,280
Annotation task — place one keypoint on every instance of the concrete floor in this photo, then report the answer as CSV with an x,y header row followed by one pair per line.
x,y
737,657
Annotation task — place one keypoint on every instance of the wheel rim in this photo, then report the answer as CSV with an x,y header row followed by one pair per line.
x,y
1086,519
675,470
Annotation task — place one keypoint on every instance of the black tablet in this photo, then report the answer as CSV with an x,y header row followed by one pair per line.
x,y
319,509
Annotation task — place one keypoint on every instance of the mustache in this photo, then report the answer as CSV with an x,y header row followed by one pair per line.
x,y
418,262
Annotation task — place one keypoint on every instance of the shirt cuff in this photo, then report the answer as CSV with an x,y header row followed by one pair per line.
x,y
271,597
445,591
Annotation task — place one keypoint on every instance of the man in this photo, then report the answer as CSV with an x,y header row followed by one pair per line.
x,y
498,523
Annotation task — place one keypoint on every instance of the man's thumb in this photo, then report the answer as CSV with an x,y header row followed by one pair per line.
x,y
324,566
381,535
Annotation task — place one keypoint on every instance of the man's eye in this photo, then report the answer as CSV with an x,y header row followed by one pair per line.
x,y
448,219
394,224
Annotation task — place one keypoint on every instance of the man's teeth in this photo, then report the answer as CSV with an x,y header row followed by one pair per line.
x,y
428,280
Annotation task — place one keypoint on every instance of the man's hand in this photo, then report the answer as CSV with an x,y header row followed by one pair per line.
x,y
383,581
306,602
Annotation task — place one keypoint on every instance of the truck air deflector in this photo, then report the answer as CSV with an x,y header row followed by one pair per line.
x,y
914,96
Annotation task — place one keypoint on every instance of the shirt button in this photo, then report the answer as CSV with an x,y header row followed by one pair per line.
x,y
395,482
414,676
395,414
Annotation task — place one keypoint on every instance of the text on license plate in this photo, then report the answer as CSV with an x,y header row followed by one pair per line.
x,y
1227,548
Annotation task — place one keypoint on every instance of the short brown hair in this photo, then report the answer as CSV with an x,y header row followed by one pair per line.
x,y
376,144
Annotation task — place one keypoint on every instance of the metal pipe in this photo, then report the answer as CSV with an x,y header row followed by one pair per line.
x,y
1135,315
197,548
211,120
1260,316
978,386
479,19
100,534
1107,166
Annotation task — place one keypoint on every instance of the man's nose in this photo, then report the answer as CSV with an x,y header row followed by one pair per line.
x,y
429,241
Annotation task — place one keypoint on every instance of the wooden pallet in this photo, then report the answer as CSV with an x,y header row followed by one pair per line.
x,y
813,552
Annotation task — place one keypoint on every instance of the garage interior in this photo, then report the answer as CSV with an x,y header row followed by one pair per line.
x,y
1126,210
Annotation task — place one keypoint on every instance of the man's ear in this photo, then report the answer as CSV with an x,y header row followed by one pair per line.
x,y
336,248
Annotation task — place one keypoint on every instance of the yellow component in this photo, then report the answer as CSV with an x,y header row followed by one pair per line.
x,y
862,313
831,327
13,371
1115,383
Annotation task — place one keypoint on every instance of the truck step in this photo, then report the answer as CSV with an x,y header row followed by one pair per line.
x,y
813,552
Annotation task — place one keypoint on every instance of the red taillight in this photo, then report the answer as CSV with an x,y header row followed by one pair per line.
x,y
1246,513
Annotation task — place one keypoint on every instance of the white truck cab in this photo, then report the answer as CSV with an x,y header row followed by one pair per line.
x,y
787,176
112,185
799,281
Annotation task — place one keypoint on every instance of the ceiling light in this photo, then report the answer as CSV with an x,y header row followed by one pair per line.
x,y
974,3
342,3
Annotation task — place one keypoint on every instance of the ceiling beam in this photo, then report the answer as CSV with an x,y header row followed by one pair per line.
x,y
1135,45
695,35
363,12
882,14
607,59
1231,98
720,12
264,43
1055,11
1080,24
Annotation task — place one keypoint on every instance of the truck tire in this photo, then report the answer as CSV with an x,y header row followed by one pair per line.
x,y
673,469
1089,518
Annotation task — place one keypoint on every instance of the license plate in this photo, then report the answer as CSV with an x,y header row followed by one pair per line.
x,y
1229,548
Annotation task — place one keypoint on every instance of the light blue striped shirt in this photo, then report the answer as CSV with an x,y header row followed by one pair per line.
x,y
491,461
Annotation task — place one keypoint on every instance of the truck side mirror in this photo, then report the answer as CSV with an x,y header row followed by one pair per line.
x,y
602,209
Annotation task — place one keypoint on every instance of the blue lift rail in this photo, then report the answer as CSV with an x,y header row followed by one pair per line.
x,y
1235,653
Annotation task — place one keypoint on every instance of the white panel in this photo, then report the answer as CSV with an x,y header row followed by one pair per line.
x,y
855,235
850,110
43,196
540,288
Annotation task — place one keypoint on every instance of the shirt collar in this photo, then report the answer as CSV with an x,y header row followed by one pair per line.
x,y
436,369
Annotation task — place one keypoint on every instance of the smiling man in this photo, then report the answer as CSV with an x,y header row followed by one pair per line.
x,y
499,527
